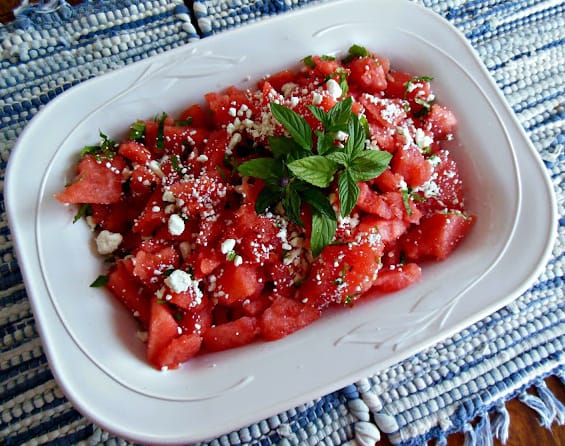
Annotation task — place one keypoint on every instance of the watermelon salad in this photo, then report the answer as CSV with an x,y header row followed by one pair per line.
x,y
245,217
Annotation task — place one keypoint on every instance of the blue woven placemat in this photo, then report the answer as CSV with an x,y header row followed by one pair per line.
x,y
451,387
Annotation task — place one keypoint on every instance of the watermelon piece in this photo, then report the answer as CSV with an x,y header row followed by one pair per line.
x,y
368,74
97,181
163,328
285,316
232,334
436,236
397,277
123,285
235,283
177,351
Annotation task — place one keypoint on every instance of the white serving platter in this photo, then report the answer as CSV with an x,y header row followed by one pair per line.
x,y
90,341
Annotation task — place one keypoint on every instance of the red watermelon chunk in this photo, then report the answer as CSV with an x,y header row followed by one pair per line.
x,y
232,334
396,277
97,181
285,316
436,236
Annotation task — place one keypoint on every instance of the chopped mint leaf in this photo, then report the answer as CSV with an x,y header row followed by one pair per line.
x,y
83,211
100,281
137,131
106,148
161,132
183,123
354,52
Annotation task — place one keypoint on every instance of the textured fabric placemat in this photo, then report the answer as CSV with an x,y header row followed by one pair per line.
x,y
451,387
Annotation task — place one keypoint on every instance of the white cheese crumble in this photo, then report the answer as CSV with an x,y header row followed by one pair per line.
x,y
227,246
334,89
168,196
155,167
107,242
422,140
175,225
179,281
316,98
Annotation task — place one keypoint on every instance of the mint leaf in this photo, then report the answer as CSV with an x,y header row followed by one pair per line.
x,y
282,146
415,80
295,124
137,131
348,192
325,142
315,169
100,281
406,202
358,51
356,140
267,198
291,202
338,158
369,164
354,52
339,115
268,169
336,118
318,200
160,144
309,62
320,114
83,211
323,231
106,148
183,122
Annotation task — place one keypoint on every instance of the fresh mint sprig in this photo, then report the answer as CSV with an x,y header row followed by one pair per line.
x,y
300,173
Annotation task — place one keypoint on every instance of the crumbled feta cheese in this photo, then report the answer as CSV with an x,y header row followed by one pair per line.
x,y
179,281
316,98
422,140
287,88
156,168
202,158
341,135
107,242
168,196
227,246
175,225
334,89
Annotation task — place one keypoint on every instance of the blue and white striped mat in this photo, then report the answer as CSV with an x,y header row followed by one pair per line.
x,y
451,387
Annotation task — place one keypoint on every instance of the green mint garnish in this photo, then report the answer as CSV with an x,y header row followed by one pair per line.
x,y
105,149
298,173
354,52
137,131
83,211
406,202
426,105
296,125
309,62
100,282
161,132
415,80
183,123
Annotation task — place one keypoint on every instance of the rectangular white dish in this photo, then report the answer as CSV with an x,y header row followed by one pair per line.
x,y
90,340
